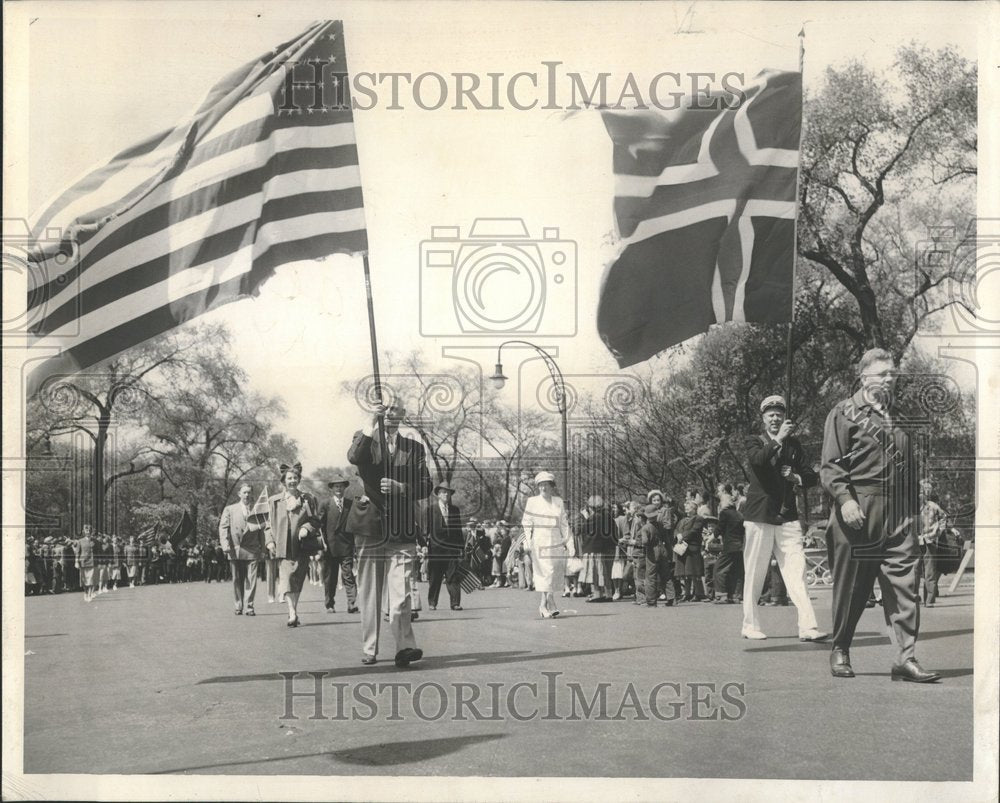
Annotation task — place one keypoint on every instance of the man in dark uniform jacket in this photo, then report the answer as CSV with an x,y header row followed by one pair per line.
x,y
337,559
445,545
871,471
394,485
729,566
771,519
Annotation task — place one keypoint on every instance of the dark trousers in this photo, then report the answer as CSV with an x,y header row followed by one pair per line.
x,y
929,572
885,548
774,586
443,568
659,574
639,563
330,567
728,573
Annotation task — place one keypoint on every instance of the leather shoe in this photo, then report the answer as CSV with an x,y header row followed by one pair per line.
x,y
913,672
407,656
368,659
456,607
414,616
355,609
840,663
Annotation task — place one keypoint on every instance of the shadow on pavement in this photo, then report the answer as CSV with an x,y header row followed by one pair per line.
x,y
376,755
868,640
431,662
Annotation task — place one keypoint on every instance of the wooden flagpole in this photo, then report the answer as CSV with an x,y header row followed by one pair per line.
x,y
795,236
375,368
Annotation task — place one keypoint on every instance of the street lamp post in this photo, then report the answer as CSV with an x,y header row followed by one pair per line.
x,y
499,380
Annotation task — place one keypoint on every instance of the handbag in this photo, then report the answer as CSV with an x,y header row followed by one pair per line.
x,y
573,566
311,544
680,549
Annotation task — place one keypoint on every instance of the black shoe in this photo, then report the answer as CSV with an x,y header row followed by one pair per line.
x,y
433,607
368,659
238,613
407,656
456,607
251,612
840,663
292,622
330,609
355,609
414,615
913,672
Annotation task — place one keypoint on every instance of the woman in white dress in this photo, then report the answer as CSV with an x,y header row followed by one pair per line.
x,y
549,540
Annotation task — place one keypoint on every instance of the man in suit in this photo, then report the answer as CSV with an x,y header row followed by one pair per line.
x,y
445,545
242,539
729,567
871,471
337,559
771,519
394,484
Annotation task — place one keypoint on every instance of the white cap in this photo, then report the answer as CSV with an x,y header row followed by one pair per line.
x,y
544,476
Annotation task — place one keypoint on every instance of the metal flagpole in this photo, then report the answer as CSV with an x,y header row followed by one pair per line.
x,y
375,369
795,237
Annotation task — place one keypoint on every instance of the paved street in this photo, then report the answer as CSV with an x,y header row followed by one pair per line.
x,y
164,679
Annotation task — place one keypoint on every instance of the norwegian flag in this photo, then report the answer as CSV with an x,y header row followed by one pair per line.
x,y
705,205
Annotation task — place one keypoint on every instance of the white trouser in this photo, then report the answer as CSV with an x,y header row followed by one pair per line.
x,y
381,568
784,541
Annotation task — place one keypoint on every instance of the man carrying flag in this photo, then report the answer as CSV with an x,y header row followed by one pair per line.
x,y
705,207
242,539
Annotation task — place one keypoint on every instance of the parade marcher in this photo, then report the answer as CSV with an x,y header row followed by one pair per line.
x,y
598,536
293,517
771,520
242,539
86,563
395,484
549,540
729,566
871,471
337,559
933,520
445,542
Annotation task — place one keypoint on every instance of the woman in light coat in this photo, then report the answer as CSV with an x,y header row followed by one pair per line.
x,y
548,539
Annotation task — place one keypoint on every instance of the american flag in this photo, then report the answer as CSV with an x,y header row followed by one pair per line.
x,y
148,536
468,579
265,172
705,205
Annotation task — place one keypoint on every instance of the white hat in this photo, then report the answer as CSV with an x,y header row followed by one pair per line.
x,y
545,476
773,401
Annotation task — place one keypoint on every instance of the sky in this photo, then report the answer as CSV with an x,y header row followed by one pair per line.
x,y
103,76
